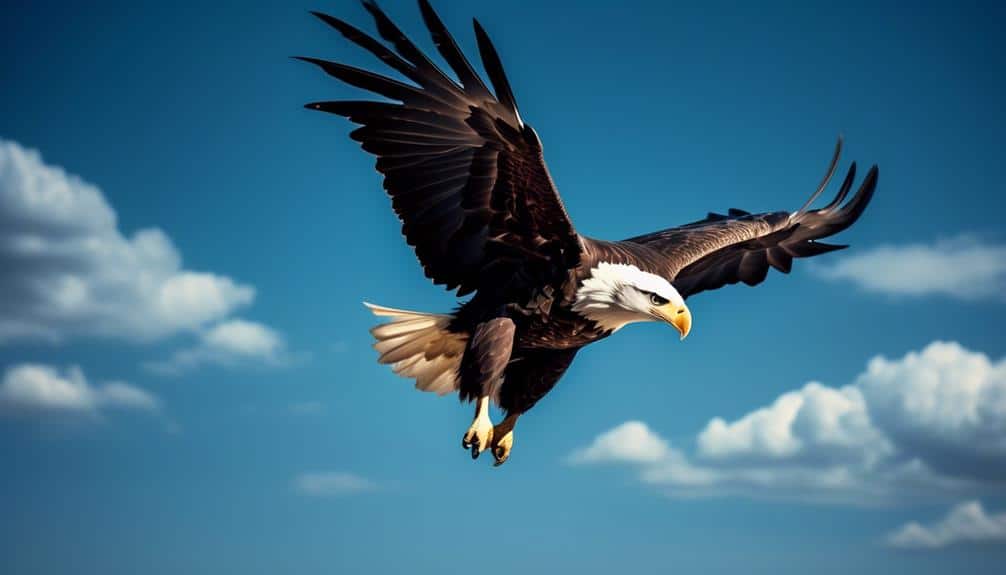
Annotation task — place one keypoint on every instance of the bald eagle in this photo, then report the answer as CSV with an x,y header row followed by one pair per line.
x,y
468,181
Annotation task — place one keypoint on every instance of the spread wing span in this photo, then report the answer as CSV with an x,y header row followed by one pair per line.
x,y
466,176
741,247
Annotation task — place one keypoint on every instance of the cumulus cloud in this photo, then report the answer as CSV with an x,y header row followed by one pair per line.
x,y
964,268
945,403
630,442
331,484
930,423
816,420
68,270
228,343
965,523
31,389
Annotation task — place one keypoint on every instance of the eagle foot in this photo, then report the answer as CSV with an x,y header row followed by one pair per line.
x,y
502,447
502,441
479,436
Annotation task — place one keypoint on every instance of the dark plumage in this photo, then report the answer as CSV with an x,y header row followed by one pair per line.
x,y
468,181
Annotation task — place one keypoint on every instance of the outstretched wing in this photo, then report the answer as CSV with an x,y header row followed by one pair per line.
x,y
740,246
465,174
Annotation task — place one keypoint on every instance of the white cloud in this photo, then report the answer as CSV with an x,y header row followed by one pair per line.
x,y
965,523
963,267
39,389
228,343
243,338
630,442
932,423
814,420
68,270
945,403
331,484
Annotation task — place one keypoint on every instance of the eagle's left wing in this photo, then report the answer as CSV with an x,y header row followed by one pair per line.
x,y
740,246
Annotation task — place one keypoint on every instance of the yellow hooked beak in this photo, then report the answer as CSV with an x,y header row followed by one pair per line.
x,y
676,315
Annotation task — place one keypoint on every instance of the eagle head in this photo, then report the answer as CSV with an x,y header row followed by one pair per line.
x,y
618,294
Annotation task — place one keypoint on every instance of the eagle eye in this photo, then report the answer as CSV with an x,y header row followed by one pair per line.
x,y
657,300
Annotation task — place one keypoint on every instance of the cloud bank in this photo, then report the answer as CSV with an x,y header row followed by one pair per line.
x,y
965,523
963,268
68,270
932,423
31,389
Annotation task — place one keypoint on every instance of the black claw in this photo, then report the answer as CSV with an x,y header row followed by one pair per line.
x,y
464,443
475,451
500,456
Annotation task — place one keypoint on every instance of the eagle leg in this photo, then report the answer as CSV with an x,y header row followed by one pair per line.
x,y
502,439
481,374
480,435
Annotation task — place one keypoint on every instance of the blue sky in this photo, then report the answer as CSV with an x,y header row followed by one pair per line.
x,y
203,398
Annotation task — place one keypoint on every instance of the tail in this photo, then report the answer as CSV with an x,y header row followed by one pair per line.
x,y
420,346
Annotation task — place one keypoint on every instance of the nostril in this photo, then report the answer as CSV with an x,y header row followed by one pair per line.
x,y
681,311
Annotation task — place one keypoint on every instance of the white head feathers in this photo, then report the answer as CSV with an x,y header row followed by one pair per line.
x,y
618,294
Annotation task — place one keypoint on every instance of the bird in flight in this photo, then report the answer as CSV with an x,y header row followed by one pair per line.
x,y
468,180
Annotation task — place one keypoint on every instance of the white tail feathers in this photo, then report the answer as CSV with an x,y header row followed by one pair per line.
x,y
420,346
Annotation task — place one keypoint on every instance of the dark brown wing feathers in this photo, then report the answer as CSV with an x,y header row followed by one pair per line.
x,y
468,181
465,175
741,247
